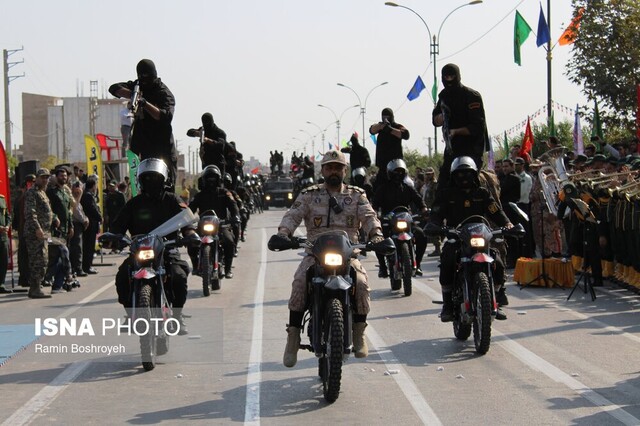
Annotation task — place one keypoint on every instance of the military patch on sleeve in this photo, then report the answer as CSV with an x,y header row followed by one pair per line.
x,y
475,105
348,200
317,221
493,208
467,204
350,221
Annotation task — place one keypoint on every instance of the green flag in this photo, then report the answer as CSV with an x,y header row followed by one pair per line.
x,y
434,90
596,125
506,145
133,170
552,125
521,31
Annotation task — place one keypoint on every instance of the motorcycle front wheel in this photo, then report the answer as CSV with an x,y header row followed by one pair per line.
x,y
144,305
206,269
482,320
407,268
334,341
461,329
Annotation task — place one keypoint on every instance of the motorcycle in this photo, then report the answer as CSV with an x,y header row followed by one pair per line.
x,y
330,284
473,295
210,258
151,313
402,264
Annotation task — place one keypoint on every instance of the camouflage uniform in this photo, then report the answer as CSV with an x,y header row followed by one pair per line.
x,y
312,206
5,220
37,215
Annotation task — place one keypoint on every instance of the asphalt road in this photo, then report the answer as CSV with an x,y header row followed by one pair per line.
x,y
552,362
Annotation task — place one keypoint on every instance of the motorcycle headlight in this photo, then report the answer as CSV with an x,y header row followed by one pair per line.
x,y
402,225
290,196
332,259
208,227
477,242
145,254
267,197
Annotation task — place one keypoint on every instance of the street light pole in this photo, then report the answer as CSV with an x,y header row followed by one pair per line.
x,y
337,120
363,107
312,139
321,132
434,48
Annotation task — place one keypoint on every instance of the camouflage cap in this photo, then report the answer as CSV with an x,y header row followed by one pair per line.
x,y
334,156
43,172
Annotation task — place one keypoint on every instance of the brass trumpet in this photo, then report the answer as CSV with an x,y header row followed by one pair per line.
x,y
627,189
603,180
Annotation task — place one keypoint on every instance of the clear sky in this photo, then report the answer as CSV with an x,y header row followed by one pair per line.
x,y
261,67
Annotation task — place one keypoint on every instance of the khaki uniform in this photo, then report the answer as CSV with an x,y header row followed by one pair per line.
x,y
37,215
312,206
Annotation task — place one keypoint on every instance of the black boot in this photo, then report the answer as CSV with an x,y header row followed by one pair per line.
x,y
447,308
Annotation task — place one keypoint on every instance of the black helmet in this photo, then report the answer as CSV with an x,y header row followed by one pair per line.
x,y
211,170
152,176
360,171
228,180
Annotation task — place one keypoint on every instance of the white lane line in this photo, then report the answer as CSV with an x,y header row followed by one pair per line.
x,y
254,374
554,373
47,395
50,392
403,380
611,328
559,376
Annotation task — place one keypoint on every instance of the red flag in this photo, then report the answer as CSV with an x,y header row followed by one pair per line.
x,y
4,190
527,142
569,35
255,171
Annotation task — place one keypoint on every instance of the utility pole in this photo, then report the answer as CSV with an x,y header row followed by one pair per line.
x,y
8,79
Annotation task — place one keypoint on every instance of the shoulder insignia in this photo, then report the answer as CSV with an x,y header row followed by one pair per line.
x,y
475,105
356,188
310,188
493,208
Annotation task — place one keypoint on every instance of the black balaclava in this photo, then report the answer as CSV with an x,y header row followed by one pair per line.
x,y
451,69
466,179
397,176
208,125
147,73
152,185
388,112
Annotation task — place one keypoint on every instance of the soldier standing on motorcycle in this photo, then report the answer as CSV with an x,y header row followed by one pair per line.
x,y
464,197
214,197
152,132
332,206
228,185
141,215
394,193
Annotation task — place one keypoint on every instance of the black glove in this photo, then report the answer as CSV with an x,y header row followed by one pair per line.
x,y
280,241
192,133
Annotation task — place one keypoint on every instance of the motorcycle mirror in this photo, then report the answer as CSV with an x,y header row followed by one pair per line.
x,y
385,247
519,211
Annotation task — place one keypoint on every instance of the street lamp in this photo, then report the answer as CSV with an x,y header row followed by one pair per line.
x,y
311,138
363,107
321,131
338,119
434,46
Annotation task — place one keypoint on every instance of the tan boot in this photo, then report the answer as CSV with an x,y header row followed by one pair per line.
x,y
359,342
293,344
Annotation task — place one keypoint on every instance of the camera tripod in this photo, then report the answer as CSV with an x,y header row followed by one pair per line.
x,y
543,273
585,278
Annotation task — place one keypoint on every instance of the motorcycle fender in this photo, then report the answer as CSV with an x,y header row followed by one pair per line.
x,y
337,283
482,258
405,236
144,274
207,239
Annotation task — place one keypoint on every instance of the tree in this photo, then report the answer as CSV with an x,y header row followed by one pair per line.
x,y
606,58
414,159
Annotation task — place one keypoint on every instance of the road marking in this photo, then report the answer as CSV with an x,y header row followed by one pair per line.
x,y
559,376
47,395
50,392
408,387
554,373
254,374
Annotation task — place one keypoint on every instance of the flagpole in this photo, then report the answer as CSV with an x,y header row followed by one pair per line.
x,y
549,58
